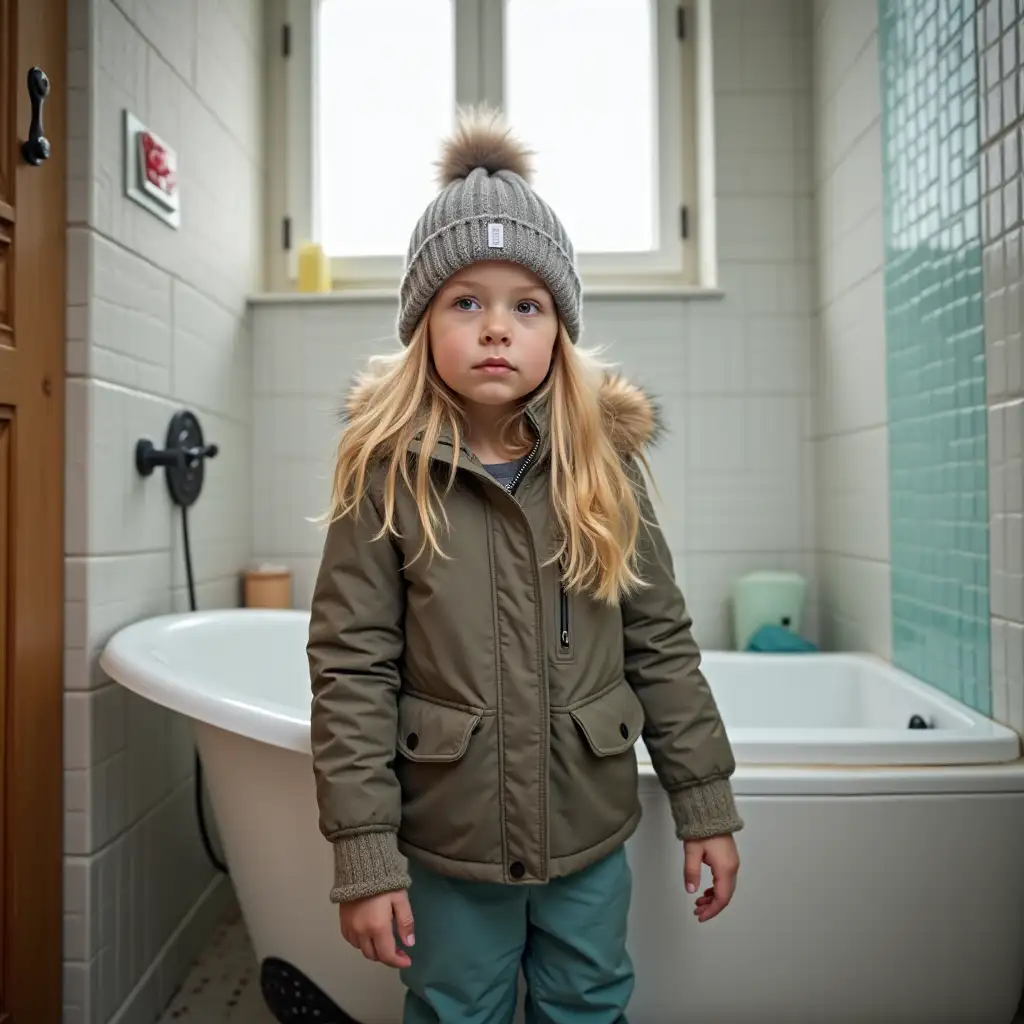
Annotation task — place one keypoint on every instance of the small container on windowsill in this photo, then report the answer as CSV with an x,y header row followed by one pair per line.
x,y
314,269
268,586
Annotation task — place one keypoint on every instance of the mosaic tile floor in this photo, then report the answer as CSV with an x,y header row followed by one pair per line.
x,y
223,985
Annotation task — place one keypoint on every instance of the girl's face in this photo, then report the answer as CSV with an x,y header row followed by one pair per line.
x,y
493,327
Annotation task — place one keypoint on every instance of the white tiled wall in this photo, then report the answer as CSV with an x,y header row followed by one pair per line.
x,y
850,412
734,375
1000,65
157,321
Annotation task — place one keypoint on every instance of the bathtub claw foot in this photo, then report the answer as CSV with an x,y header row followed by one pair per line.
x,y
291,997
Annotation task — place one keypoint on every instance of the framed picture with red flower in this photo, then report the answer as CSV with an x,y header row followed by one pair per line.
x,y
151,171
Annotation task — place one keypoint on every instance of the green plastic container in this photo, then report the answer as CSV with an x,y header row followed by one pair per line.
x,y
767,599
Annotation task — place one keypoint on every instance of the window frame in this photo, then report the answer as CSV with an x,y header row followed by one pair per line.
x,y
684,134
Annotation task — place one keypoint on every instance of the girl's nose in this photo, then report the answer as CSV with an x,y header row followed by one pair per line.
x,y
496,333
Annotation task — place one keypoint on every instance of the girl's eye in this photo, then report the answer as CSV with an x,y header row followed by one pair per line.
x,y
466,304
528,306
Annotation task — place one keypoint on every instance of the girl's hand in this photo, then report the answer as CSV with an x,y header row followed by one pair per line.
x,y
370,924
721,855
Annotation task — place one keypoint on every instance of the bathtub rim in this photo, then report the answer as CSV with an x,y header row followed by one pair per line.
x,y
794,780
128,659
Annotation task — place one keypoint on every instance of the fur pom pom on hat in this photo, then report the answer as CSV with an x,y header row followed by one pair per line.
x,y
486,210
481,140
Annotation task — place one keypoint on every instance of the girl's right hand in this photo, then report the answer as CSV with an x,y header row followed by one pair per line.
x,y
370,925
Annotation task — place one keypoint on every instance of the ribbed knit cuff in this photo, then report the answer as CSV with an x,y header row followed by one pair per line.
x,y
367,864
705,810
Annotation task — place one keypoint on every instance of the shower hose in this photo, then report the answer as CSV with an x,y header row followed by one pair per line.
x,y
200,812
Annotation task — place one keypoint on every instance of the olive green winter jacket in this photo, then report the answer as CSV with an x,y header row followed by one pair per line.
x,y
470,713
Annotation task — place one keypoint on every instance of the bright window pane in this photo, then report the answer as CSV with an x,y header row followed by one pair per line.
x,y
386,98
580,88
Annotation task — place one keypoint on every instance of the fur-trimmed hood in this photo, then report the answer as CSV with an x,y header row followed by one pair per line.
x,y
632,418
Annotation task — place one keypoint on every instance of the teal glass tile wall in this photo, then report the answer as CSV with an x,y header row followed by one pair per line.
x,y
935,344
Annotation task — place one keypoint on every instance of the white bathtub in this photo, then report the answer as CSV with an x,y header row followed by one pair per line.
x,y
882,872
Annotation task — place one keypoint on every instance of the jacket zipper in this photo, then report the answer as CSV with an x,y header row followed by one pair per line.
x,y
564,637
511,487
563,632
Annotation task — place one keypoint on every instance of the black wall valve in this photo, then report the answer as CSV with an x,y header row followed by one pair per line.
x,y
182,458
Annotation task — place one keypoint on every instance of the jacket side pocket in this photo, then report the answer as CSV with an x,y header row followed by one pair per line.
x,y
612,722
594,772
428,731
447,767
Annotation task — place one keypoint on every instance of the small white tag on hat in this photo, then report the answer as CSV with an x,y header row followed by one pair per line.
x,y
496,236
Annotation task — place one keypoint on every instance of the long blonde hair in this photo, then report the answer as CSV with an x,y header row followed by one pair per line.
x,y
593,499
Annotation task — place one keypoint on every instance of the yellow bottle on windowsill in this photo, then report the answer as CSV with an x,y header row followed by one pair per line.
x,y
314,268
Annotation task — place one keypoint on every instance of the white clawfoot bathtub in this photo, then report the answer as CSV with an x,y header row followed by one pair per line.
x,y
882,872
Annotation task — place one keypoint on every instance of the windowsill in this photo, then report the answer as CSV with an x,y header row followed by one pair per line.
x,y
352,295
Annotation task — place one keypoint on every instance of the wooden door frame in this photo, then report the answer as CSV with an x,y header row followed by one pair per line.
x,y
32,391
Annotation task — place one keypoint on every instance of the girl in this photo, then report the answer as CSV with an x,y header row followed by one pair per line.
x,y
495,624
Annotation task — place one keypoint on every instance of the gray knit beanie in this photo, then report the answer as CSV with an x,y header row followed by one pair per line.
x,y
487,210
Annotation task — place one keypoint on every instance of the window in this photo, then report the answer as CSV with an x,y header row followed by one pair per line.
x,y
612,95
591,120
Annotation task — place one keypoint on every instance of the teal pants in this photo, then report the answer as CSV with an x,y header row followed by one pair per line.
x,y
568,937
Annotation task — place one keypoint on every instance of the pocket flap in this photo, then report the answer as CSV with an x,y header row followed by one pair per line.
x,y
433,732
612,723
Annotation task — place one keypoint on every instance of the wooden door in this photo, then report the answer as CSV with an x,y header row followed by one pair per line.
x,y
33,231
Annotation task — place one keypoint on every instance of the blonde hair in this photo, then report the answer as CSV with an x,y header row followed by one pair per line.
x,y
593,499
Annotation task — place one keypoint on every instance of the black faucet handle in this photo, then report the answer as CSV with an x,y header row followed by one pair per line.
x,y
206,451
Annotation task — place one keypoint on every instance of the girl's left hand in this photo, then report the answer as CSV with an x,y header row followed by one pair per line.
x,y
721,855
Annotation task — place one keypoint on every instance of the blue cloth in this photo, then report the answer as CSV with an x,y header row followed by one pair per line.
x,y
569,937
779,640
505,472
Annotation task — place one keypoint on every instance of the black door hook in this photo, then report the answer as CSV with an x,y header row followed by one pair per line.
x,y
36,148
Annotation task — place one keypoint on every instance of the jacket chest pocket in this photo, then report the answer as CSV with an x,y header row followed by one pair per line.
x,y
565,640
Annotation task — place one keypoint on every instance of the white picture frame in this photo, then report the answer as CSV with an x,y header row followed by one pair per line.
x,y
162,199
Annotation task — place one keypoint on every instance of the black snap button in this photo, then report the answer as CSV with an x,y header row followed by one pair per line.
x,y
412,741
624,731
517,870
